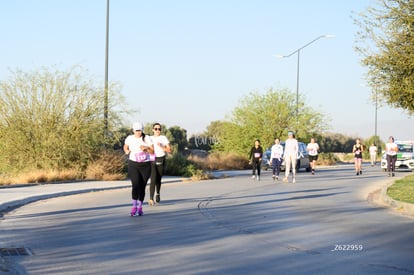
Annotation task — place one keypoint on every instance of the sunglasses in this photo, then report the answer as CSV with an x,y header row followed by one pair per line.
x,y
157,129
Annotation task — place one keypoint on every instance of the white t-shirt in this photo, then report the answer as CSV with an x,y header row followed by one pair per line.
x,y
291,147
159,142
134,145
373,150
277,152
313,149
391,149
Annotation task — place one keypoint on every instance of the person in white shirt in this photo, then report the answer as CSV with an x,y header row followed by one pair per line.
x,y
373,154
290,156
391,150
313,149
276,158
140,151
161,148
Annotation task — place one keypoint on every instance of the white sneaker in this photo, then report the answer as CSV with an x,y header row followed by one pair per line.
x,y
258,178
253,177
294,180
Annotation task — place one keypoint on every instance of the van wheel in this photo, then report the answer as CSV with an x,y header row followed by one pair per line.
x,y
308,169
298,166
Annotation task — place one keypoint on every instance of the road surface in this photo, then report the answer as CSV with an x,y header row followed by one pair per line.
x,y
322,224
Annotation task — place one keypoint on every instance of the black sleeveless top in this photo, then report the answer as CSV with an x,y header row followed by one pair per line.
x,y
358,151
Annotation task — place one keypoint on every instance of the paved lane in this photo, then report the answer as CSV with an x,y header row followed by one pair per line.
x,y
320,225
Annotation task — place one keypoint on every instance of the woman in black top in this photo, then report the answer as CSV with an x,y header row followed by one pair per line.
x,y
357,150
255,158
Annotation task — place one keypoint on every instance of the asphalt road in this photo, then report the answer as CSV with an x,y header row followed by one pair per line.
x,y
322,224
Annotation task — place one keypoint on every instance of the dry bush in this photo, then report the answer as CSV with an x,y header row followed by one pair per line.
x,y
39,176
327,159
345,157
109,165
220,161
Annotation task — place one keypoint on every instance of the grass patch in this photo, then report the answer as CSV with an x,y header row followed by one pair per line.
x,y
402,190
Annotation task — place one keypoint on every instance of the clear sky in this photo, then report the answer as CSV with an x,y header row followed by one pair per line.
x,y
188,62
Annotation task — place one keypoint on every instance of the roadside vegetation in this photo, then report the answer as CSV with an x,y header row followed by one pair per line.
x,y
402,190
52,130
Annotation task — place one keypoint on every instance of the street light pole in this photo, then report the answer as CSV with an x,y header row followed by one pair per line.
x,y
376,116
297,86
106,72
297,70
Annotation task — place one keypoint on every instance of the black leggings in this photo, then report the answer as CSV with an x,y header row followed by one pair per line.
x,y
139,173
157,168
256,166
391,163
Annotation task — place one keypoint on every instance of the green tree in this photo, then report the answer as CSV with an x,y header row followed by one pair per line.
x,y
335,143
266,116
177,137
208,138
52,119
386,43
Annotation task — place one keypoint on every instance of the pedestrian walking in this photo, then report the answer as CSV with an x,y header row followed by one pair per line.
x,y
161,148
391,152
373,154
140,151
256,154
290,155
276,158
313,149
357,150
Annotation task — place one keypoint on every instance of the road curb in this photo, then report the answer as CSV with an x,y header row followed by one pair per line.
x,y
401,207
9,206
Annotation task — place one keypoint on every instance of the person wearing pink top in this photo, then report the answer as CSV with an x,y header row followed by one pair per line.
x,y
290,155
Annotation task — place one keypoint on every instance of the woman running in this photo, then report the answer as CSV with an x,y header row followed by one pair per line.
x,y
357,150
140,149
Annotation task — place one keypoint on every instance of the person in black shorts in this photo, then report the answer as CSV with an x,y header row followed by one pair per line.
x,y
357,150
313,149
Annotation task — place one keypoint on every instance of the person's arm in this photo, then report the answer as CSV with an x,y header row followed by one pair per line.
x,y
167,148
271,154
149,146
126,149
